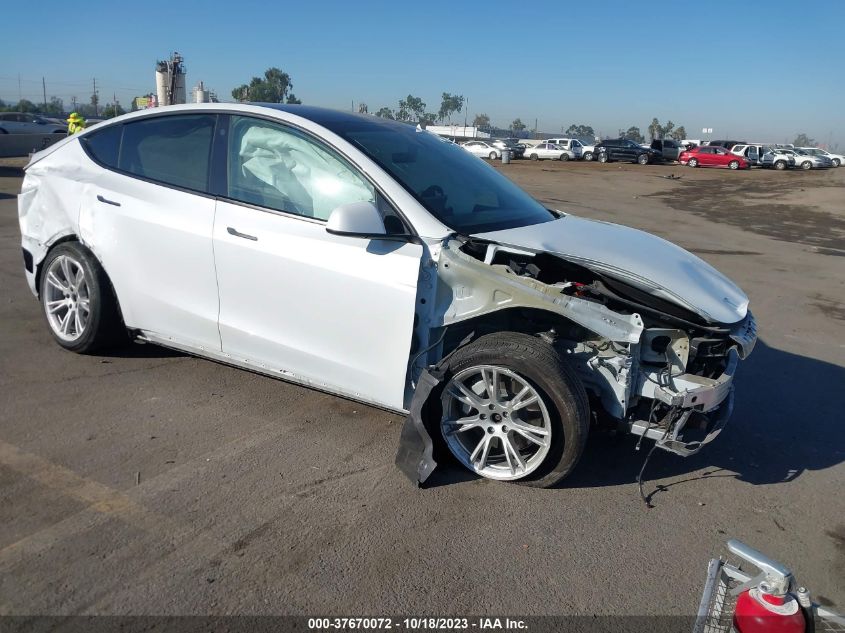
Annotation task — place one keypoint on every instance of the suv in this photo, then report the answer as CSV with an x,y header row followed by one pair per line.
x,y
669,148
725,144
625,149
777,158
25,123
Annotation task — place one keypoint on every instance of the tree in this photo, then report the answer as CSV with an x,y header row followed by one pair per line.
x,y
449,105
25,105
655,129
802,140
293,100
111,111
580,131
517,125
666,130
679,133
427,118
481,120
411,108
273,88
56,106
385,113
633,134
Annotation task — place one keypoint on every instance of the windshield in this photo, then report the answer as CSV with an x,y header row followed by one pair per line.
x,y
459,189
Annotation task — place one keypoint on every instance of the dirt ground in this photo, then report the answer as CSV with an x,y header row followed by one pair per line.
x,y
149,482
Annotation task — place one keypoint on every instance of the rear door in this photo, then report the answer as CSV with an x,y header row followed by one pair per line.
x,y
332,311
149,218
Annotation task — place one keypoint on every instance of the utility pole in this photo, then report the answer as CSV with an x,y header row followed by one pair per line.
x,y
95,99
44,89
73,101
20,94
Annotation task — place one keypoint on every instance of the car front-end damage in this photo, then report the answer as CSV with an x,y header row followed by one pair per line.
x,y
651,364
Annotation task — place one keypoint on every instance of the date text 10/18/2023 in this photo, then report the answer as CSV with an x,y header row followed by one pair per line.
x,y
415,624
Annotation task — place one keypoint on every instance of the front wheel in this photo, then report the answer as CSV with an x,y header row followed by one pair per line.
x,y
564,156
836,162
806,165
780,165
642,159
534,157
588,156
734,164
512,409
77,300
492,156
603,157
693,162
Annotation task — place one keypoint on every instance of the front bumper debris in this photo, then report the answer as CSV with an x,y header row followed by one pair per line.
x,y
415,454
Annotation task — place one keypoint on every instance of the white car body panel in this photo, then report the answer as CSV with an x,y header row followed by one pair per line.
x,y
292,301
667,270
545,153
156,247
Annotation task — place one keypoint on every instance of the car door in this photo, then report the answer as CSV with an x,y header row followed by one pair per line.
x,y
721,156
148,217
752,153
332,311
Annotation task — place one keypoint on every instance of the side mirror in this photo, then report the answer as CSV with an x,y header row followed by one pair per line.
x,y
356,219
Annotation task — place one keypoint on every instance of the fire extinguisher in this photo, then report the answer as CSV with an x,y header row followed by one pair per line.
x,y
768,606
763,609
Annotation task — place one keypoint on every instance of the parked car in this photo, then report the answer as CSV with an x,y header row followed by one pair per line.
x,y
725,144
752,152
588,150
669,148
710,156
516,150
550,151
572,144
26,123
778,159
625,149
485,149
805,160
366,258
835,159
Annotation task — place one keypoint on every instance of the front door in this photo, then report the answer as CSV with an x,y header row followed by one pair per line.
x,y
332,311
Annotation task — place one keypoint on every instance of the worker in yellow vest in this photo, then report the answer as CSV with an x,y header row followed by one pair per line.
x,y
75,123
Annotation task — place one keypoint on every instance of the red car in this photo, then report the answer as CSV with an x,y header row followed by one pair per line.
x,y
712,156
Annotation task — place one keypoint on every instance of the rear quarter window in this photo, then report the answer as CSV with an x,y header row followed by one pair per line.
x,y
104,145
174,150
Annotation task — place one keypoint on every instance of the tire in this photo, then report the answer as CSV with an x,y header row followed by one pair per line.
x,y
531,367
493,156
534,157
806,165
588,156
564,156
61,302
642,159
603,157
734,164
693,162
836,162
780,165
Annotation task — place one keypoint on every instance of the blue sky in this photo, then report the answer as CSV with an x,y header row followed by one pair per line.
x,y
759,70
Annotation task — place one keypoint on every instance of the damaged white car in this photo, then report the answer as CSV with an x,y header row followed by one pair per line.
x,y
371,259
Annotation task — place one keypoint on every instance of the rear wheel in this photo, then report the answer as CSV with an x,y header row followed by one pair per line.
x,y
693,162
77,300
588,156
564,156
534,157
836,162
512,409
492,156
780,165
642,159
734,164
806,165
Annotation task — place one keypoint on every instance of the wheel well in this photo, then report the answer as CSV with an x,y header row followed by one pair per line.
x,y
523,320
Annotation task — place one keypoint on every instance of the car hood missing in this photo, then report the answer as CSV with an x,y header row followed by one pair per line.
x,y
640,259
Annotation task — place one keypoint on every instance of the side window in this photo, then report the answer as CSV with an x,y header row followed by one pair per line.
x,y
173,150
277,167
104,145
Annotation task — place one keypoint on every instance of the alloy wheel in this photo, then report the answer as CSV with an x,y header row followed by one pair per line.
x,y
495,422
67,298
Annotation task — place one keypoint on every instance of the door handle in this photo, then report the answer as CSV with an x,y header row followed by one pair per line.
x,y
107,201
237,233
